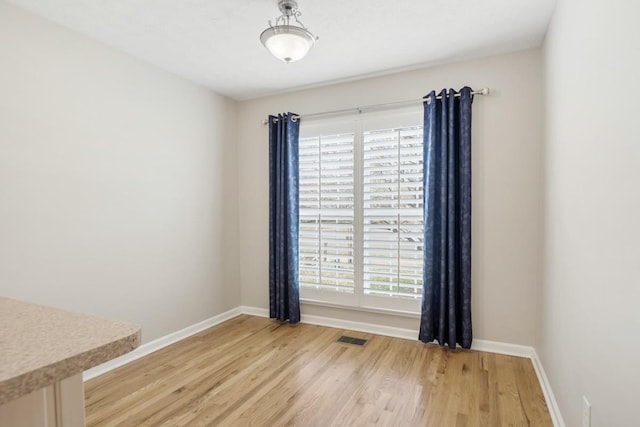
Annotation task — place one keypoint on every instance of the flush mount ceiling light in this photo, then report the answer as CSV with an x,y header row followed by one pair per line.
x,y
287,42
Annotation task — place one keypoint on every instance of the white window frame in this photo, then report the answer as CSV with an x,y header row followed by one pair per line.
x,y
358,125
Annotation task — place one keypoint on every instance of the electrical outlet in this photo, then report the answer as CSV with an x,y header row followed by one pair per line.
x,y
586,412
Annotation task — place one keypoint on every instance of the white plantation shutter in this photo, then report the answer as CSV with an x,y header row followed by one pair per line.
x,y
327,212
361,231
392,212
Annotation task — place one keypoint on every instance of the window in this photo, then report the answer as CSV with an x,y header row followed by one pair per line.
x,y
361,229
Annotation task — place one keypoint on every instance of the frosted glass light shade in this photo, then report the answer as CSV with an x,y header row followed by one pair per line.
x,y
288,43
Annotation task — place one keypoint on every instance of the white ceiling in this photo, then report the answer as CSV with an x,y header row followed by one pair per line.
x,y
215,42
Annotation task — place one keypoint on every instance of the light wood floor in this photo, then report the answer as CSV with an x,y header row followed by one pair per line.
x,y
255,371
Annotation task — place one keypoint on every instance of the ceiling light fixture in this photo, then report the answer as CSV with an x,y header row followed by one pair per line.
x,y
287,42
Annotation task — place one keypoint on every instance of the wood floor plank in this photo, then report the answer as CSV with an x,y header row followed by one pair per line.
x,y
342,377
252,371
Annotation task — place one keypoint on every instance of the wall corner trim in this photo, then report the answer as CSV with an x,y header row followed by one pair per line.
x,y
478,345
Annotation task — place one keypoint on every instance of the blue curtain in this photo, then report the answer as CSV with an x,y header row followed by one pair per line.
x,y
446,294
284,299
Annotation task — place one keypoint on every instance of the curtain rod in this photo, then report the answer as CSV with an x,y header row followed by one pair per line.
x,y
483,91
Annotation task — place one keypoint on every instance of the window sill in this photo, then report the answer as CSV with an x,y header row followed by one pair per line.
x,y
386,311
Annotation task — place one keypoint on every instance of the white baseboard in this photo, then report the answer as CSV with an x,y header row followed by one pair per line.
x,y
502,348
370,328
254,311
331,322
150,347
410,334
549,397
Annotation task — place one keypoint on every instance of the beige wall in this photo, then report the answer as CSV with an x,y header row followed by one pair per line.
x,y
590,342
507,185
117,182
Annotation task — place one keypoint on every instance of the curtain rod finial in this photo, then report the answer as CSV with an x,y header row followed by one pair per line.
x,y
485,91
